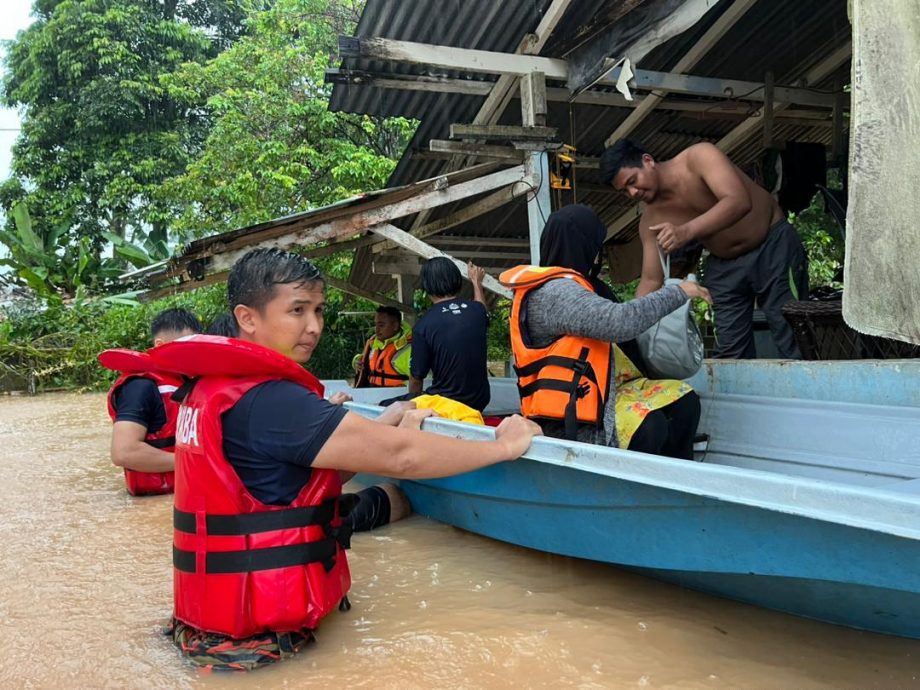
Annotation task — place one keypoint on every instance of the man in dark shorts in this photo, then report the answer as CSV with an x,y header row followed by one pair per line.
x,y
450,339
754,253
138,404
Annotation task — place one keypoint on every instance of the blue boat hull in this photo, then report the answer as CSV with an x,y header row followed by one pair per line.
x,y
829,572
807,499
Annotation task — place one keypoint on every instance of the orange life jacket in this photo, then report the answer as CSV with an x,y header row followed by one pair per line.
x,y
566,380
132,365
243,567
379,362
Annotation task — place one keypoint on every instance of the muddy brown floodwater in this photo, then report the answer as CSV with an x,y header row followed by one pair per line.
x,y
86,588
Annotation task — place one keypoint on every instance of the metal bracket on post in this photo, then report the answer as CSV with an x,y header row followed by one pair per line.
x,y
536,165
539,204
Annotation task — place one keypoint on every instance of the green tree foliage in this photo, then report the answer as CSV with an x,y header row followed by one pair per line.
x,y
99,131
275,148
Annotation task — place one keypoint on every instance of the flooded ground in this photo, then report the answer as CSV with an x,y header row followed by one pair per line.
x,y
86,588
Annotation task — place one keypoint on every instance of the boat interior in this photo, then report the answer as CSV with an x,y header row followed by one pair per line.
x,y
848,422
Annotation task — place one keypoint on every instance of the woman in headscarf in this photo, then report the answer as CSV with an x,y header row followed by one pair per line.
x,y
652,416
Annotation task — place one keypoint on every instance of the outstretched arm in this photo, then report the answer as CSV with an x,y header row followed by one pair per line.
x,y
361,445
477,275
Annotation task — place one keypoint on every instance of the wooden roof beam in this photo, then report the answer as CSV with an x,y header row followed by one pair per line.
x,y
488,62
427,251
706,42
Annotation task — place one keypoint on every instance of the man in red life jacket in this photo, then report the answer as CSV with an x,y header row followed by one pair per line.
x,y
261,454
143,434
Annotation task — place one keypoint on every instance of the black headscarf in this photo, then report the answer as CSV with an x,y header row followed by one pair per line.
x,y
573,238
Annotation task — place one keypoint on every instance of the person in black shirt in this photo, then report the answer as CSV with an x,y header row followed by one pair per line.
x,y
139,409
450,339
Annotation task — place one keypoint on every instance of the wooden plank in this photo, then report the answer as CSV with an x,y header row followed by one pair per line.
x,y
489,62
470,240
413,268
462,59
689,60
342,246
503,132
533,100
183,286
301,221
409,82
767,114
474,210
375,297
477,150
417,246
822,70
350,225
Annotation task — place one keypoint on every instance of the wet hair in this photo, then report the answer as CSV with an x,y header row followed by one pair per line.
x,y
626,153
440,277
225,325
174,320
254,276
392,312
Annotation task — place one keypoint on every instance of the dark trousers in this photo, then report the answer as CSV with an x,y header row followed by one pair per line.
x,y
670,430
766,274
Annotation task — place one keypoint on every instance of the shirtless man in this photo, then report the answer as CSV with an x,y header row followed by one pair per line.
x,y
699,195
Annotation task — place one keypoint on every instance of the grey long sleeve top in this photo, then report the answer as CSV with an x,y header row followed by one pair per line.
x,y
563,307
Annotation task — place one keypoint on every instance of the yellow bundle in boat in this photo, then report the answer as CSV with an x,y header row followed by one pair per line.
x,y
449,409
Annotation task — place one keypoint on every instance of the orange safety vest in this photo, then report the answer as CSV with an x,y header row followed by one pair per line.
x,y
380,370
566,380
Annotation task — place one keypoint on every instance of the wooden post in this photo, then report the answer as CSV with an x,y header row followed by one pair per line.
x,y
405,293
768,89
533,100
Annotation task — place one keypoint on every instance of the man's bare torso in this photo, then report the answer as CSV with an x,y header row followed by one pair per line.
x,y
689,197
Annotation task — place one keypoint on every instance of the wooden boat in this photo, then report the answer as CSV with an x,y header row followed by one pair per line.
x,y
807,499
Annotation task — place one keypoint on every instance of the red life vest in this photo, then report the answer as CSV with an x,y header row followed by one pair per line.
x,y
567,379
242,567
132,365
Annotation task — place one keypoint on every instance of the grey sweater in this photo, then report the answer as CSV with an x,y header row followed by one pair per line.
x,y
563,307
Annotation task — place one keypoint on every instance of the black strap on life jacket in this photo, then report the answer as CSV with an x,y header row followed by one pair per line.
x,y
167,442
248,560
581,368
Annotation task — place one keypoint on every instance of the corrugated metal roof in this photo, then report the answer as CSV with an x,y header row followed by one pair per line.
x,y
783,36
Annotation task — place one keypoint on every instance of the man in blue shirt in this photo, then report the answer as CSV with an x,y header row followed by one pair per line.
x,y
450,339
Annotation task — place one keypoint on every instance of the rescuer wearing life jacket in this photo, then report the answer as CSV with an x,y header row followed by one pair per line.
x,y
144,415
384,362
258,557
